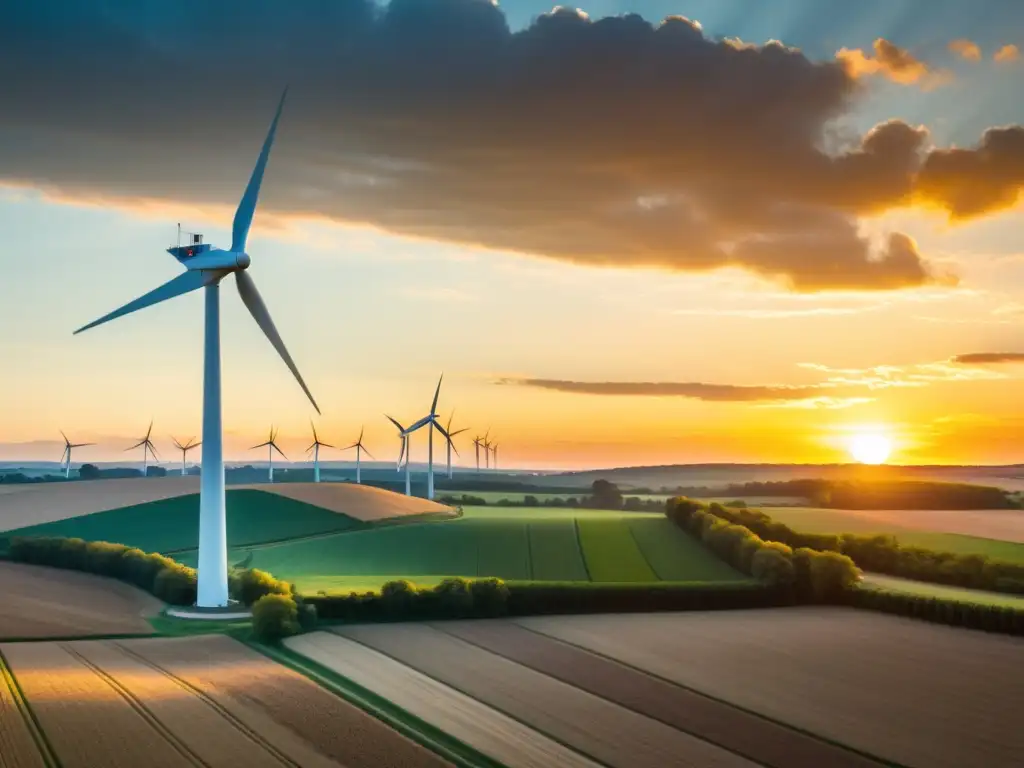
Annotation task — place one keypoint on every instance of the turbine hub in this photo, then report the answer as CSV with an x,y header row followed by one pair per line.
x,y
242,260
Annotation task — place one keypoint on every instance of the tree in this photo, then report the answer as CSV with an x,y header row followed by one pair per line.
x,y
606,495
156,472
89,472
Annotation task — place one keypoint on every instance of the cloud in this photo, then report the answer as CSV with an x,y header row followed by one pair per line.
x,y
890,376
1007,54
966,49
731,393
610,142
885,59
986,358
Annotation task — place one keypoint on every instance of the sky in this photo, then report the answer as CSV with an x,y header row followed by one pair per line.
x,y
649,232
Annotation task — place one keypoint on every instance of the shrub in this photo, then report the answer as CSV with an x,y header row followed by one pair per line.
x,y
490,597
454,597
823,577
307,615
275,616
398,598
252,584
176,585
773,564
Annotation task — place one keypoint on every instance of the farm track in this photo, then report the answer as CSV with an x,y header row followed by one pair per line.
x,y
593,726
21,742
472,722
909,692
763,741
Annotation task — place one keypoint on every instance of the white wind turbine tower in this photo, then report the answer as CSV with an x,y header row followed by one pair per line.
x,y
451,446
271,446
147,447
430,421
404,435
315,448
205,267
358,445
185,448
65,457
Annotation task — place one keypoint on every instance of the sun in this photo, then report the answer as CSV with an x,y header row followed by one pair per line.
x,y
870,448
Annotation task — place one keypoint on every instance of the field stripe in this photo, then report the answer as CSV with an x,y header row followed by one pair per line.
x,y
135,703
472,722
21,742
610,552
304,720
87,722
236,739
605,731
768,743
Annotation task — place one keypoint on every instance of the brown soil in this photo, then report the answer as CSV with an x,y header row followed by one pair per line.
x,y
17,747
39,602
593,726
763,741
489,732
362,502
919,694
298,717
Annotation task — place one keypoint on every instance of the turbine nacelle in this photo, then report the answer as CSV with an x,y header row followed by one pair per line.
x,y
211,259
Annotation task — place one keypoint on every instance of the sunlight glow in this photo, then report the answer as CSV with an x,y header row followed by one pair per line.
x,y
870,448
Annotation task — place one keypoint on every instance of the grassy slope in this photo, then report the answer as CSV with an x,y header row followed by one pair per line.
x,y
513,544
173,524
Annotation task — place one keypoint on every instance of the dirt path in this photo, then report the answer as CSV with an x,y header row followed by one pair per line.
x,y
920,694
760,740
39,602
489,732
591,725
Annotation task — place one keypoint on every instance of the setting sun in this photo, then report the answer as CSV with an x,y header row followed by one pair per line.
x,y
871,448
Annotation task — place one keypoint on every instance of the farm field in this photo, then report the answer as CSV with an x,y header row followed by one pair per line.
x,y
46,602
492,497
253,516
520,544
927,589
922,695
193,701
999,524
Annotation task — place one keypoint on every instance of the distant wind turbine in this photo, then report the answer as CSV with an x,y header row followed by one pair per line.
x,y
205,267
451,445
271,446
404,435
147,447
477,442
358,445
494,450
487,449
315,448
65,457
185,448
430,421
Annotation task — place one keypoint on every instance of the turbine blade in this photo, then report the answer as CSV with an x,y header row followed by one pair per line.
x,y
137,445
279,451
400,427
247,206
448,426
433,405
64,455
418,425
368,453
254,303
150,430
326,445
401,453
66,441
81,445
458,431
183,283
360,440
152,449
350,447
177,445
261,445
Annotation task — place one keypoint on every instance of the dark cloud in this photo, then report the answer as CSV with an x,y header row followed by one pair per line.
x,y
608,142
689,389
986,358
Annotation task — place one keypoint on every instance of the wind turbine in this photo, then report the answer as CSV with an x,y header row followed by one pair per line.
x,y
271,446
477,442
358,445
205,266
487,449
65,457
451,446
430,421
185,449
402,433
147,447
315,448
494,449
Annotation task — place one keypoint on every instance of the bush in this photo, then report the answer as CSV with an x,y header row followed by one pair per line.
x,y
490,597
176,585
773,565
990,618
275,616
251,584
398,598
823,577
454,597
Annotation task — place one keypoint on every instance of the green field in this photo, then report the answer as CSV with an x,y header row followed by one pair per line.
x,y
516,544
492,497
172,525
927,589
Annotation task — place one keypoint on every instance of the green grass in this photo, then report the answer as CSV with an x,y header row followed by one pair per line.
x,y
492,497
172,525
927,589
515,544
960,544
